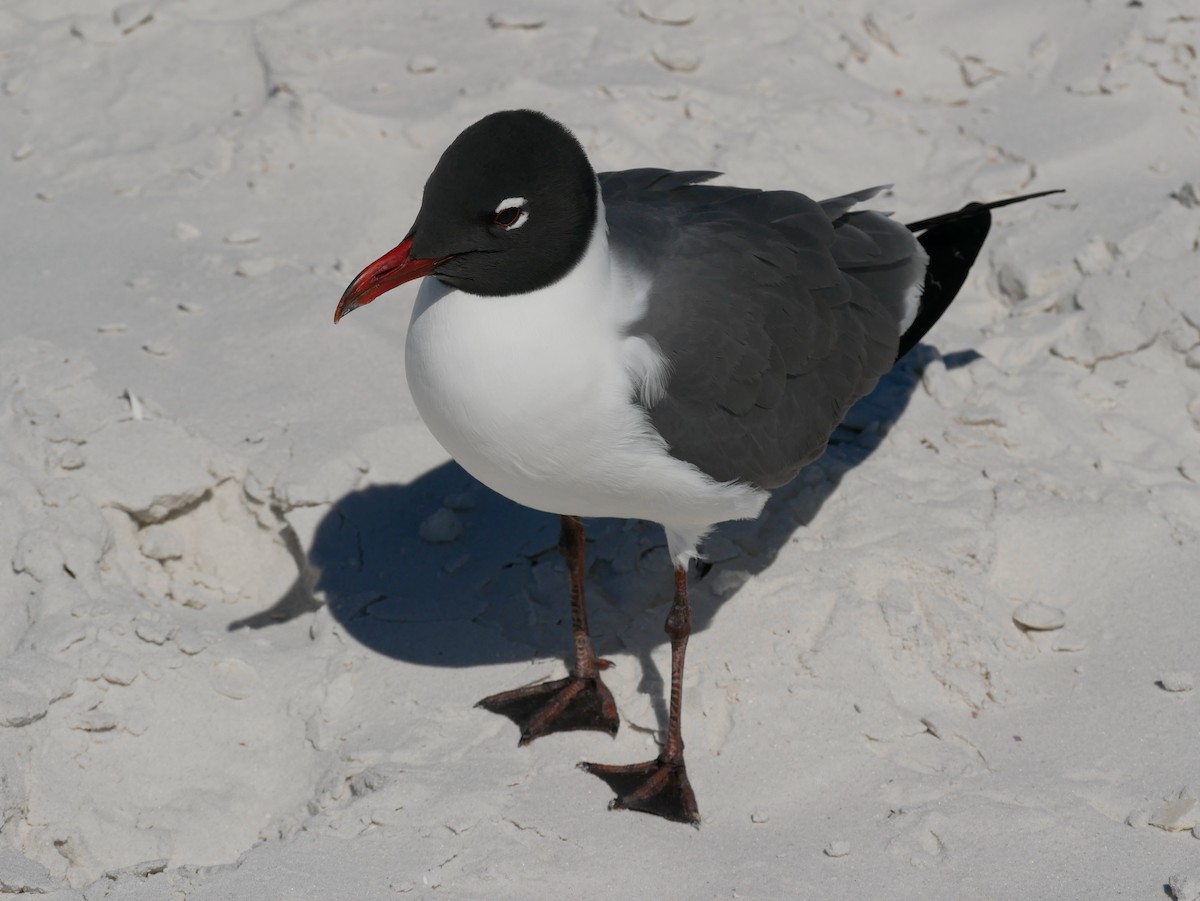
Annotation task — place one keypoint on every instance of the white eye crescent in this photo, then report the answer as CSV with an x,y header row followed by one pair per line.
x,y
510,213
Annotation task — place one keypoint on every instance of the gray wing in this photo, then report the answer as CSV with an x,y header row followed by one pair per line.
x,y
775,313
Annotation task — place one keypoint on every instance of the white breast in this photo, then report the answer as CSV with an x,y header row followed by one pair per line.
x,y
533,395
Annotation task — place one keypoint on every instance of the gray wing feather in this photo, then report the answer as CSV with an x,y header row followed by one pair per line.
x,y
835,207
775,313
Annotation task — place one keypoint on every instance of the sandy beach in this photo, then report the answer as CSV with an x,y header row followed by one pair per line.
x,y
247,602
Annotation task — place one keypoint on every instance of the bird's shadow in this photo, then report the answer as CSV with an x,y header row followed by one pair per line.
x,y
442,571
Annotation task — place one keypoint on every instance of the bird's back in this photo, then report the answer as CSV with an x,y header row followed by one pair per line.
x,y
775,313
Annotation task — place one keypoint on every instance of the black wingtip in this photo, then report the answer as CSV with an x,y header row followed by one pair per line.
x,y
952,241
972,209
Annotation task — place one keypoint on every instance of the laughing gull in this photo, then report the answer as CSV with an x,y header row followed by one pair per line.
x,y
641,345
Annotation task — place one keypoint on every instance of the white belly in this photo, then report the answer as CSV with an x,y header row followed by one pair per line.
x,y
530,416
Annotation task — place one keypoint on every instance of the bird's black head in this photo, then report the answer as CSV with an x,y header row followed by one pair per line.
x,y
511,204
510,208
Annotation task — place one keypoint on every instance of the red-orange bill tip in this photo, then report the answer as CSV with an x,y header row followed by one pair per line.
x,y
390,271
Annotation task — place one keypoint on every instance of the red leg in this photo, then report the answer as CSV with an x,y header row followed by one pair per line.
x,y
580,701
661,786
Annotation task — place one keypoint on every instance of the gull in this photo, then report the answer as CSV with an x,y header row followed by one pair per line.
x,y
641,344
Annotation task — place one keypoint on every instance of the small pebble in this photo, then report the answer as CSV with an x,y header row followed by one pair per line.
x,y
1177,681
188,306
71,457
676,59
95,721
1039,617
189,641
667,12
114,328
23,152
759,817
441,527
242,236
157,348
518,19
837,849
185,231
422,65
159,542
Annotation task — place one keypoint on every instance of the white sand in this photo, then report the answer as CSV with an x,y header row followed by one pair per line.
x,y
186,443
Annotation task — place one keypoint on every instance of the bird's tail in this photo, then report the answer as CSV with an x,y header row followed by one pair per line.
x,y
952,241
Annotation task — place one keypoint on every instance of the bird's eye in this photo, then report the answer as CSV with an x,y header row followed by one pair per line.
x,y
508,216
511,213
